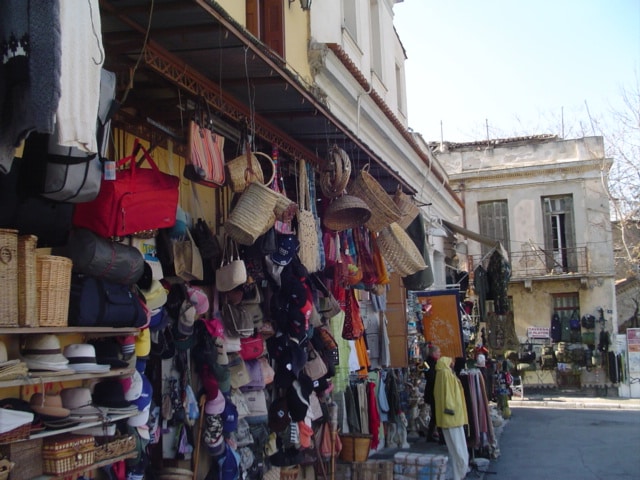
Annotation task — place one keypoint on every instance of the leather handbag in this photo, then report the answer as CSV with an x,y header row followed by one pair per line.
x,y
102,258
205,157
138,199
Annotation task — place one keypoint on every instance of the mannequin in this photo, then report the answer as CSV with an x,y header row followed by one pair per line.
x,y
451,415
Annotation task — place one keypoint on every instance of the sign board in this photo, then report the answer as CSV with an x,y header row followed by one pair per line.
x,y
538,332
633,349
441,321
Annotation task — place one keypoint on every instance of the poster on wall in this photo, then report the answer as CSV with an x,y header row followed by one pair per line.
x,y
441,321
633,348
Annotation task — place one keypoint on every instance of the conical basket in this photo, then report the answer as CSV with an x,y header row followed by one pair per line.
x,y
383,210
400,251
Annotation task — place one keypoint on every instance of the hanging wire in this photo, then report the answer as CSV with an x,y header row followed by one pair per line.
x,y
251,99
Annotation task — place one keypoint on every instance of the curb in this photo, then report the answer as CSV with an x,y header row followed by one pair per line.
x,y
572,405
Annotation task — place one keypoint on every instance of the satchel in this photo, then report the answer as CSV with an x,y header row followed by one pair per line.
x,y
186,259
205,156
138,199
102,258
315,367
95,302
232,271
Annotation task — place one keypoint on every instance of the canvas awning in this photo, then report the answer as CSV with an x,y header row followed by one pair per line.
x,y
490,242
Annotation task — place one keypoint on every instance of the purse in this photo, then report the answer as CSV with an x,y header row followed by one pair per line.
x,y
315,367
239,372
187,260
205,156
138,199
268,373
237,320
232,271
251,347
307,225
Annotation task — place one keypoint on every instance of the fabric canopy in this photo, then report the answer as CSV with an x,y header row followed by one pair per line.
x,y
490,242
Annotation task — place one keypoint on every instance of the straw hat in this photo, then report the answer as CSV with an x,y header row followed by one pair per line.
x,y
43,352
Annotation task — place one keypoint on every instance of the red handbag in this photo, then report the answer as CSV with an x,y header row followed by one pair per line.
x,y
251,347
138,199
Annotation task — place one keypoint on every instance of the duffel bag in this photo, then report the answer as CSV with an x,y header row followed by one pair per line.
x,y
138,199
102,258
95,302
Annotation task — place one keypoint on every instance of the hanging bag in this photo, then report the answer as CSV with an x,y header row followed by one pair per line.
x,y
285,210
232,271
315,367
205,156
138,199
187,260
307,224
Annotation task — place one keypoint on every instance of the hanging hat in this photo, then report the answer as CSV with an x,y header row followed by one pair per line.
x,y
229,417
221,351
212,429
159,319
82,358
48,405
279,417
43,352
288,246
155,296
198,299
79,402
143,343
127,346
132,386
108,351
186,319
216,405
141,364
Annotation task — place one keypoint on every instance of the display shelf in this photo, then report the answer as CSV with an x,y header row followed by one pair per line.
x,y
36,380
100,331
95,466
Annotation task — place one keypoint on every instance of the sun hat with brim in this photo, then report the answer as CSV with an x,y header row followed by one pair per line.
x,y
11,419
45,350
108,351
140,419
79,402
48,405
82,358
155,296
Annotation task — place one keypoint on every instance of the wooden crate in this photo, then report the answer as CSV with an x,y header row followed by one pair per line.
x,y
27,456
372,470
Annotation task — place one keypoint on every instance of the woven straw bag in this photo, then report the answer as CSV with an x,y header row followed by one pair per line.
x,y
407,207
383,210
400,251
253,214
346,212
309,252
335,177
246,168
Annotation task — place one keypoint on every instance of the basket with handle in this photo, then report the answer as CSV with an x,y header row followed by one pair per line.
x,y
355,447
335,176
114,447
400,251
247,168
67,452
407,207
53,282
253,215
27,291
9,277
383,210
346,212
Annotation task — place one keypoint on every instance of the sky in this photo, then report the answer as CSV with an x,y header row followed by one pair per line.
x,y
525,67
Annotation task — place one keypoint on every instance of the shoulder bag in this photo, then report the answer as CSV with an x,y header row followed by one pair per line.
x,y
205,157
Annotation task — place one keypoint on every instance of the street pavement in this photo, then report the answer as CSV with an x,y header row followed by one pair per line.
x,y
540,400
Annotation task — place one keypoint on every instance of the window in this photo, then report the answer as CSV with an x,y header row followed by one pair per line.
x,y
400,88
564,304
350,23
494,222
376,40
265,20
559,234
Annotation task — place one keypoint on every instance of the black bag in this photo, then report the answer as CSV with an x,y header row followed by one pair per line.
x,y
95,302
102,258
556,328
588,322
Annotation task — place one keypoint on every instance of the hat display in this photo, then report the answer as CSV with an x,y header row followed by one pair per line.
x,y
288,246
143,343
216,405
279,417
79,402
229,417
155,295
110,395
82,358
43,352
144,400
198,299
108,352
186,319
11,419
132,386
48,405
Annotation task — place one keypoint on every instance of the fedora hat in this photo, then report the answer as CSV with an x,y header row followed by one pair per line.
x,y
49,406
43,352
82,358
79,402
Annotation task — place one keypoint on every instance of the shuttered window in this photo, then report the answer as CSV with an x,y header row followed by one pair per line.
x,y
494,222
559,234
265,20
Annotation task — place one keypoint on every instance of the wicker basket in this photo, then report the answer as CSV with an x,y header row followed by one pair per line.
x,y
239,174
64,453
289,473
27,291
355,447
400,251
346,212
335,177
253,214
407,207
53,281
115,447
17,434
9,277
5,468
383,210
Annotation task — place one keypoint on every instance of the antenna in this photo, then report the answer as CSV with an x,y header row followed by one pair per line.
x,y
562,120
486,123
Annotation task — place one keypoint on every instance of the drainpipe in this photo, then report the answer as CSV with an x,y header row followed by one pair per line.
x,y
358,104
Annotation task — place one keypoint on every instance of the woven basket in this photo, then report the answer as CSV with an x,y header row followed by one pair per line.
x,y
17,434
289,473
355,448
27,291
9,277
67,452
5,468
346,212
253,214
383,210
400,251
407,207
115,447
53,282
239,174
336,174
